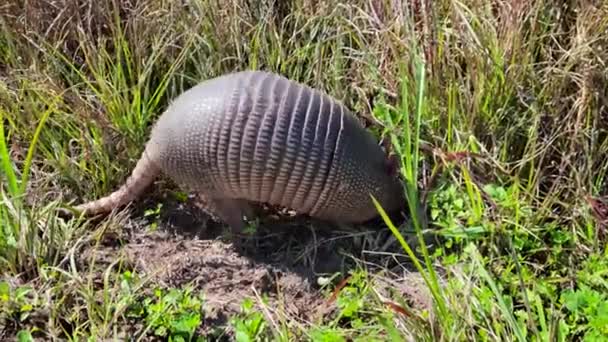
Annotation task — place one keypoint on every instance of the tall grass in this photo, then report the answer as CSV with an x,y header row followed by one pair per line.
x,y
19,227
408,148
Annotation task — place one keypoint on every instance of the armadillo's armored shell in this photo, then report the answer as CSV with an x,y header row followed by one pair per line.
x,y
258,136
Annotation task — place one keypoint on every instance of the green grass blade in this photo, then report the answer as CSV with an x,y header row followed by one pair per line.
x,y
7,166
431,283
32,149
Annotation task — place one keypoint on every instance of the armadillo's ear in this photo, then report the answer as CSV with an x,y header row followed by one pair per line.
x,y
392,165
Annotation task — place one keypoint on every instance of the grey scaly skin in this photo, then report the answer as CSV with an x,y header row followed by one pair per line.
x,y
255,136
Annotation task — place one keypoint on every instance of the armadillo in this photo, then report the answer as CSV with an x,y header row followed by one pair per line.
x,y
258,137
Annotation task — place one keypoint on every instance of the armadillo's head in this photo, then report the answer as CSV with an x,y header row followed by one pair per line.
x,y
387,189
377,177
362,169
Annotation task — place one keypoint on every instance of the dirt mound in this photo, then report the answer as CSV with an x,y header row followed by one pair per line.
x,y
225,276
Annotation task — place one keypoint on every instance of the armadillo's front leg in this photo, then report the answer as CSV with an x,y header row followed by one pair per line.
x,y
231,211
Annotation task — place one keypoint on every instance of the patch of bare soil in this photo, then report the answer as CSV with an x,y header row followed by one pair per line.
x,y
225,276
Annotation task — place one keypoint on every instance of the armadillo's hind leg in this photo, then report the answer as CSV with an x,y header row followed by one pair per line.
x,y
231,212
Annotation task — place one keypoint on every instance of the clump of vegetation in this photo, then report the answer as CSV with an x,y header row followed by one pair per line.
x,y
499,111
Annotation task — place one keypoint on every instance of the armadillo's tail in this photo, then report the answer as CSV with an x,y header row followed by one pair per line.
x,y
143,175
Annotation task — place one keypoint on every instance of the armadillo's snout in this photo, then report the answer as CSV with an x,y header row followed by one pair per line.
x,y
392,196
